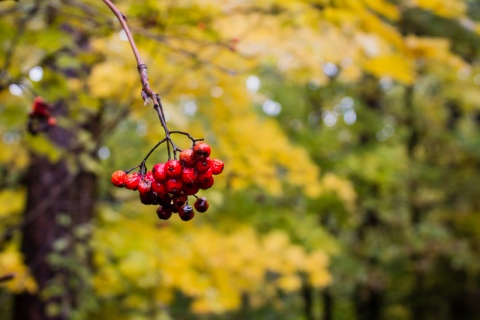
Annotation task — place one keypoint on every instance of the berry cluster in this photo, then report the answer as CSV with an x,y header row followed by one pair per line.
x,y
170,184
39,118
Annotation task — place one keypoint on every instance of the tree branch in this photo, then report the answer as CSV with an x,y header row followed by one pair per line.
x,y
7,277
147,92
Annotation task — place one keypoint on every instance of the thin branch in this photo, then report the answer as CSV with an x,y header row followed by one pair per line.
x,y
147,92
7,277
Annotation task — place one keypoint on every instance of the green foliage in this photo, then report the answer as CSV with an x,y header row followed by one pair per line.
x,y
365,180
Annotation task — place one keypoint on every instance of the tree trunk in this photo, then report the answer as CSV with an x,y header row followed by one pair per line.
x,y
59,209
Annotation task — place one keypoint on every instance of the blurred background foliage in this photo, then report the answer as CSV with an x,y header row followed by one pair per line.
x,y
350,133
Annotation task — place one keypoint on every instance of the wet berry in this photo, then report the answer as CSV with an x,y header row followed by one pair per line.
x,y
174,185
201,150
203,165
189,175
205,183
173,169
164,200
164,212
217,166
180,199
132,180
148,198
201,204
118,178
144,186
205,177
159,187
149,176
186,212
190,188
187,158
158,172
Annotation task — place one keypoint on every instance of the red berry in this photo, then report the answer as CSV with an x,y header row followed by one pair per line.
x,y
149,176
189,175
175,208
174,185
164,212
187,158
190,189
205,183
118,178
179,200
52,121
201,150
201,204
164,200
217,166
148,198
204,177
186,212
40,108
158,172
144,186
132,180
159,187
173,169
203,165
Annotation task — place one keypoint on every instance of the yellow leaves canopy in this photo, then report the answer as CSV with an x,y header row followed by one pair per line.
x,y
211,266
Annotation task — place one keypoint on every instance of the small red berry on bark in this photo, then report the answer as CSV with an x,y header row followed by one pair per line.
x,y
164,212
173,169
187,158
203,165
132,180
201,204
186,212
205,183
52,121
158,172
40,108
189,175
174,185
190,189
217,166
201,150
118,178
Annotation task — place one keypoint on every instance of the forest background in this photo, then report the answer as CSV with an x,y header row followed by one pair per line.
x,y
350,134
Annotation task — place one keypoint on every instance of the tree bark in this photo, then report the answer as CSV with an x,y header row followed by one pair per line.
x,y
58,203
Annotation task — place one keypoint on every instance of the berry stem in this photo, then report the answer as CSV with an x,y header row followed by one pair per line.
x,y
188,135
161,116
150,152
130,170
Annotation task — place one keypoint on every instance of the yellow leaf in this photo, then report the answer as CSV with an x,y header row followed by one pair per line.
x,y
393,66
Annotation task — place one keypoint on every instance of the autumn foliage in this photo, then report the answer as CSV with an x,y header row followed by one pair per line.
x,y
349,134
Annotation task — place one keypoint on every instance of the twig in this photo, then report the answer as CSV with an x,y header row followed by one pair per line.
x,y
7,277
147,92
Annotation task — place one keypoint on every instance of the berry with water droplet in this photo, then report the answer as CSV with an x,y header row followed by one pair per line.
x,y
201,204
186,213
